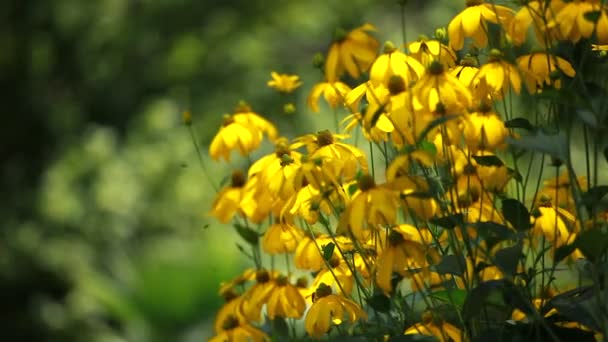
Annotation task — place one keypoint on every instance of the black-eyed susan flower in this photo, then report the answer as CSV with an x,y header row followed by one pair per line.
x,y
228,201
497,76
284,83
471,22
427,50
309,256
277,170
257,295
550,222
285,300
394,62
281,237
484,130
333,92
352,52
233,330
407,248
557,191
335,274
330,309
536,14
571,21
538,70
432,325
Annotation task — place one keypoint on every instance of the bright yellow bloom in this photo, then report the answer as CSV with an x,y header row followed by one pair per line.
x,y
538,69
466,73
426,51
496,76
309,255
439,88
570,23
281,238
285,301
235,331
535,14
333,92
255,298
551,225
394,62
471,22
336,275
228,201
278,170
484,130
352,52
242,130
432,326
329,309
283,82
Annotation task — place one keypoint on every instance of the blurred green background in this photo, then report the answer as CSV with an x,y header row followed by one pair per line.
x,y
105,232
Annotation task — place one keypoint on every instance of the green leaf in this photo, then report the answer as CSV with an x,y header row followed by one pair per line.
x,y
451,264
555,145
248,234
592,243
413,338
579,305
448,222
592,16
488,161
328,251
493,233
508,258
353,188
594,195
428,147
606,153
437,122
516,213
452,296
280,327
588,118
486,293
380,303
563,251
515,174
520,123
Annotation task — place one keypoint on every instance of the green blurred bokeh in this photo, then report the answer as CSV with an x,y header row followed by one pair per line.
x,y
105,232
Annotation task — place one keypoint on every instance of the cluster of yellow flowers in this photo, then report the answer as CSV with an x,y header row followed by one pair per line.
x,y
353,232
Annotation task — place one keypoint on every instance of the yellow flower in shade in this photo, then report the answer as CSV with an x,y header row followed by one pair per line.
x,y
371,207
407,248
234,330
557,191
596,47
336,274
341,160
285,300
330,309
497,76
281,237
570,23
437,88
538,70
394,62
352,52
230,308
484,130
242,130
426,51
307,203
228,201
466,73
434,326
333,92
471,22
257,295
278,170
535,14
549,222
284,83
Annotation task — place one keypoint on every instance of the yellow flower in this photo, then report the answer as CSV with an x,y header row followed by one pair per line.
x,y
407,249
308,255
550,223
255,298
278,170
471,22
570,23
235,331
228,201
338,275
372,207
243,130
426,51
535,14
433,326
557,191
352,52
285,301
439,88
281,238
484,130
333,92
496,76
283,82
538,69
394,62
329,309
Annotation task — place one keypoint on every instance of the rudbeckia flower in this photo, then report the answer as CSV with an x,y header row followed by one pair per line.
x,y
550,224
484,130
281,237
433,326
571,22
228,201
235,331
352,52
394,62
535,14
277,170
257,295
471,22
558,191
330,309
426,51
284,83
333,92
285,301
337,275
538,70
497,76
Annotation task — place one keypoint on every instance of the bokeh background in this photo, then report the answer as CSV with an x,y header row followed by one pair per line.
x,y
104,228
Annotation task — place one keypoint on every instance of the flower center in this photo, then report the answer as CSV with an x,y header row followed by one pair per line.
x,y
436,68
323,291
230,322
238,179
396,84
262,276
366,182
324,138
